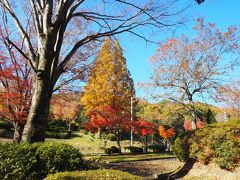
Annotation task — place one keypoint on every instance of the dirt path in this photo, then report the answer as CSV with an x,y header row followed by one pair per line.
x,y
146,168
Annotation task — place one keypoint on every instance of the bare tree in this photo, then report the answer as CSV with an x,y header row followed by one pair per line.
x,y
187,70
57,31
230,94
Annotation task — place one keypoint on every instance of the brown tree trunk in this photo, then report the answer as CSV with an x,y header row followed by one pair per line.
x,y
118,140
36,126
145,143
18,131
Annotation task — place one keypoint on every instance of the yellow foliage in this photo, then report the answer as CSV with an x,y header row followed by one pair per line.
x,y
109,83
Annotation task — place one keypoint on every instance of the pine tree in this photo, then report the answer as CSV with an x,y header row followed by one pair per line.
x,y
110,82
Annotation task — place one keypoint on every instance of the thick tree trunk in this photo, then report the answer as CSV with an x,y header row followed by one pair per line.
x,y
36,126
18,131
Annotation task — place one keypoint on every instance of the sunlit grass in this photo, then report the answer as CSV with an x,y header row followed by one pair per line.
x,y
90,144
129,157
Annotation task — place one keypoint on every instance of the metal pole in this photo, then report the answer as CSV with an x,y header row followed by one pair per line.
x,y
131,138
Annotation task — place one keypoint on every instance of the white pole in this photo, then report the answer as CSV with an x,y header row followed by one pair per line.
x,y
131,138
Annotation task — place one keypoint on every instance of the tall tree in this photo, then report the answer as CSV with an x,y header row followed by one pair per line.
x,y
109,83
56,32
185,69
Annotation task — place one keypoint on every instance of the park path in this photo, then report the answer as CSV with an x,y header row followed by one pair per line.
x,y
146,168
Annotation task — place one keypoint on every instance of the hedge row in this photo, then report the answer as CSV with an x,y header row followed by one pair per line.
x,y
34,161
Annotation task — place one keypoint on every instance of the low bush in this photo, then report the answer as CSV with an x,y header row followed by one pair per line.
x,y
112,150
112,137
4,133
219,143
157,148
105,174
59,135
34,161
5,125
134,149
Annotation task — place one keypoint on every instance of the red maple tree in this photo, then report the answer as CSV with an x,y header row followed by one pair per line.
x,y
114,119
15,87
143,129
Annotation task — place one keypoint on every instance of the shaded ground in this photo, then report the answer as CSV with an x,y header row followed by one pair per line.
x,y
146,168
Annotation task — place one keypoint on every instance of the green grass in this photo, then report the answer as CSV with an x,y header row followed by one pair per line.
x,y
90,144
129,157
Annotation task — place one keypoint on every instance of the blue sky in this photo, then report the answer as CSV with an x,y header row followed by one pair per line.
x,y
223,13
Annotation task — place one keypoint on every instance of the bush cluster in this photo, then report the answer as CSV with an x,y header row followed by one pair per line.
x,y
34,161
105,174
157,148
112,137
59,134
219,143
112,150
134,149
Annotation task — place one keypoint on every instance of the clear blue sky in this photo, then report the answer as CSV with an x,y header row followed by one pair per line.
x,y
221,12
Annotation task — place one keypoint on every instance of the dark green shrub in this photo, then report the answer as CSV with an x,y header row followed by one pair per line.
x,y
60,157
112,137
157,148
134,149
20,161
34,161
4,133
74,126
181,147
112,150
59,135
92,175
5,125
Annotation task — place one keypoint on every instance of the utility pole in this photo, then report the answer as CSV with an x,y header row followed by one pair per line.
x,y
131,138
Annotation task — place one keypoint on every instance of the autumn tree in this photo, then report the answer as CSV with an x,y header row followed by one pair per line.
x,y
167,134
114,119
109,82
143,129
57,35
230,95
189,69
15,87
65,107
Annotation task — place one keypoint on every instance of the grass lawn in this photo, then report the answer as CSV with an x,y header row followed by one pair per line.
x,y
90,144
129,157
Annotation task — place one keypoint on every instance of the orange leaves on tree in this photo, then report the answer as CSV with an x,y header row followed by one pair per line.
x,y
188,125
166,133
